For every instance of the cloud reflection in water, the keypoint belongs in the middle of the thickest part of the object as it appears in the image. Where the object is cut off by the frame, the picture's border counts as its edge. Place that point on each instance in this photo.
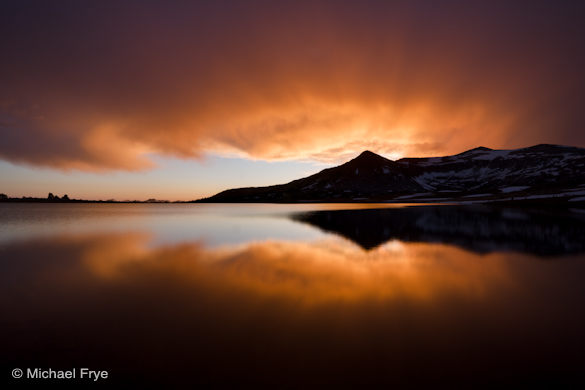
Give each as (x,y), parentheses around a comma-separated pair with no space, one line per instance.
(274,311)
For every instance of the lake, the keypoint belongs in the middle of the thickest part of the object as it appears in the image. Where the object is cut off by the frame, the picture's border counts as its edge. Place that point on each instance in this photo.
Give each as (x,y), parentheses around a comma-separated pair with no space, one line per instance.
(308,294)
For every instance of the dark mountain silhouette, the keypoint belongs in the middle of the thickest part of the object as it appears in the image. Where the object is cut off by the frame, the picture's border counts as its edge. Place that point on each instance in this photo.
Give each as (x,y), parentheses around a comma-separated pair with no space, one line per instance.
(477,228)
(537,172)
(360,177)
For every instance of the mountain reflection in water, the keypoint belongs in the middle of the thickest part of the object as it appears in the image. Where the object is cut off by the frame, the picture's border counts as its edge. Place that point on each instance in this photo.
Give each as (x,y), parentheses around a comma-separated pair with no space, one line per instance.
(479,229)
(308,311)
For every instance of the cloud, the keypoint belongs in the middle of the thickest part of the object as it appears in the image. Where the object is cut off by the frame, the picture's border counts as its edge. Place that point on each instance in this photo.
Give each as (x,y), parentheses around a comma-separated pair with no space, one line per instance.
(101,86)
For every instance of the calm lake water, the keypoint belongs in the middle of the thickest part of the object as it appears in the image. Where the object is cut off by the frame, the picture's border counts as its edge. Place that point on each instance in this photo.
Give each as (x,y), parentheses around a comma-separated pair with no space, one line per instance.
(294,294)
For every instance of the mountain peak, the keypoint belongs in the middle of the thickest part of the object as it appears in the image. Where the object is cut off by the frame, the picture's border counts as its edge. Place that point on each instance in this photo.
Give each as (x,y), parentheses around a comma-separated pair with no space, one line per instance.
(479,149)
(473,151)
(368,158)
(549,147)
(367,153)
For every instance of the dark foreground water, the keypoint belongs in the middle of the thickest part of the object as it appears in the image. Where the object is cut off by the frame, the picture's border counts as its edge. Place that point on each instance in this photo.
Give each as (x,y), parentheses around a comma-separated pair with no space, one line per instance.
(293,294)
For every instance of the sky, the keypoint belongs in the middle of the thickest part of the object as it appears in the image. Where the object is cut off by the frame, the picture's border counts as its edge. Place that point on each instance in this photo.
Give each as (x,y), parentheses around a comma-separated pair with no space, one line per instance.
(181,99)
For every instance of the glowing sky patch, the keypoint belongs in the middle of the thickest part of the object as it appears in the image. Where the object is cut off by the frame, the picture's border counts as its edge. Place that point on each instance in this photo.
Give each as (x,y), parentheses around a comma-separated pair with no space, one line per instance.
(110,86)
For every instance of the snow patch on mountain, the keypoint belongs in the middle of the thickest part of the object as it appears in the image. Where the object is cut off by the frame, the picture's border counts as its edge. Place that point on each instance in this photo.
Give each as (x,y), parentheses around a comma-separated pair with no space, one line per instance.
(492,155)
(477,195)
(506,190)
(413,195)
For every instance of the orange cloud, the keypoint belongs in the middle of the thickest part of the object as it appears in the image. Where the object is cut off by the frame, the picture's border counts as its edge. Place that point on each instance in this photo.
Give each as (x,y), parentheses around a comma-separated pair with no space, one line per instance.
(105,89)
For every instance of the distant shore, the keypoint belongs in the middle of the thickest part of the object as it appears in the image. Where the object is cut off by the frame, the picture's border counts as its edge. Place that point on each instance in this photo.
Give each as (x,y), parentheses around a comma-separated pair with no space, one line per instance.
(545,202)
(65,199)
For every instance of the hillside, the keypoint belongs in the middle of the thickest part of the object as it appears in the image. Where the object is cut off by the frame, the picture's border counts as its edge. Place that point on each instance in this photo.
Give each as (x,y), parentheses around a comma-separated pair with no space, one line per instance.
(537,172)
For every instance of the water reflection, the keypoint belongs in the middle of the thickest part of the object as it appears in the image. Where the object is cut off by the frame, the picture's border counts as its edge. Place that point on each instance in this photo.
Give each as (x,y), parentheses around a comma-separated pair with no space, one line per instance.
(316,310)
(285,312)
(480,229)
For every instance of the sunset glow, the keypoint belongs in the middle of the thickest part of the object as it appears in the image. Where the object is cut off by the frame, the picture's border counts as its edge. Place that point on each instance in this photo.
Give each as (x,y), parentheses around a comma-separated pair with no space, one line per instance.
(292,194)
(122,86)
